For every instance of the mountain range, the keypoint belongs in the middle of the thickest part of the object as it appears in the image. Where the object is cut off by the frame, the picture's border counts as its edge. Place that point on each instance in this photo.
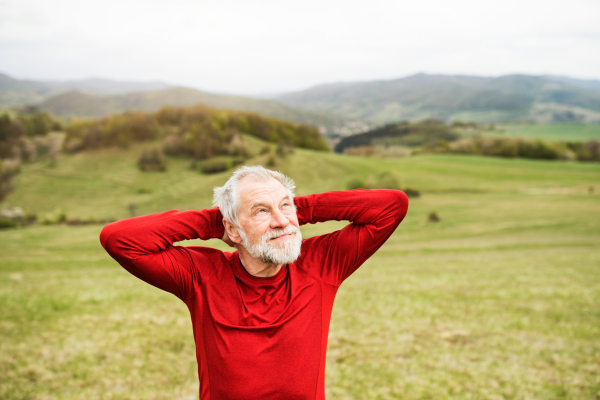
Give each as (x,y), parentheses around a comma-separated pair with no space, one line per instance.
(19,92)
(342,108)
(448,97)
(94,98)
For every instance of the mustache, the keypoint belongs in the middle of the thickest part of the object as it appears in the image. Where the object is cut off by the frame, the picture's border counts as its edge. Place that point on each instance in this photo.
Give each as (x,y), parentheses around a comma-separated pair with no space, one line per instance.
(290,229)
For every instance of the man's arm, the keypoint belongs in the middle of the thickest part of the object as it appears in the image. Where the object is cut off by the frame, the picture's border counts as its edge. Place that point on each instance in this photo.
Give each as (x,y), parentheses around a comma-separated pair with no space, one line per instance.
(374,214)
(144,246)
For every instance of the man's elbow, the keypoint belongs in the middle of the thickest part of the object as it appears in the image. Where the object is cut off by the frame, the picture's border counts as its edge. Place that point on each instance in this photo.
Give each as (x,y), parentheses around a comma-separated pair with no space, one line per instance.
(105,235)
(400,205)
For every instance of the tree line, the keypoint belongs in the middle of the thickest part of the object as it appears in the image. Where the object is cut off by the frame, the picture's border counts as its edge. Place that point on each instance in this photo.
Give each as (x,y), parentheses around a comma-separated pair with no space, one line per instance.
(24,137)
(438,137)
(198,132)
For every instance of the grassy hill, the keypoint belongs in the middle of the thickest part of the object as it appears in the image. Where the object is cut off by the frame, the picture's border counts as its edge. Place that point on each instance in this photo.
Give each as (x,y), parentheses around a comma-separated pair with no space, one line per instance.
(498,299)
(79,104)
(16,92)
(551,132)
(506,98)
(95,97)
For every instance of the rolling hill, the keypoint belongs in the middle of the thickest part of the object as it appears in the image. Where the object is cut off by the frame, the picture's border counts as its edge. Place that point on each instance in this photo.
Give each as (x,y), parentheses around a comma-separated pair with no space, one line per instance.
(18,92)
(95,97)
(502,99)
(15,92)
(80,104)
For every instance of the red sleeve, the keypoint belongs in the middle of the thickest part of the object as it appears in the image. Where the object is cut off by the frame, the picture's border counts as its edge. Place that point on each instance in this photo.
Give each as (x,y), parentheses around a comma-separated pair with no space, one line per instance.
(374,214)
(144,246)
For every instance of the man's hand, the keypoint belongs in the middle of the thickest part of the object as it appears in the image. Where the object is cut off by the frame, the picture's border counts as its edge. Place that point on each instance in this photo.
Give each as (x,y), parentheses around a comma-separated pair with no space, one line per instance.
(227,240)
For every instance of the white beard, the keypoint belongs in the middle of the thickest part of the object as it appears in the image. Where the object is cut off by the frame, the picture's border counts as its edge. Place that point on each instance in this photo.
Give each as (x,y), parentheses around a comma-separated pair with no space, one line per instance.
(265,251)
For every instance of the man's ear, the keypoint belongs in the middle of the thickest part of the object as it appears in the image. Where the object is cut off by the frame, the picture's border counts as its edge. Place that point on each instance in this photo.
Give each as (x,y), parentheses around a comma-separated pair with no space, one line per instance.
(232,232)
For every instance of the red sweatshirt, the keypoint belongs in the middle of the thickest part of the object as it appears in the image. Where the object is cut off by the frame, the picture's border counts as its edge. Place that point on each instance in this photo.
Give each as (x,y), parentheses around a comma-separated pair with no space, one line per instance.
(258,338)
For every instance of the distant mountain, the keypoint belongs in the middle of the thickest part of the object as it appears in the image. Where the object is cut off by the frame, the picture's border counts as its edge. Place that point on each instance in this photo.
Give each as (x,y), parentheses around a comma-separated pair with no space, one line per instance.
(506,98)
(17,92)
(79,104)
(24,92)
(107,86)
(93,98)
(583,83)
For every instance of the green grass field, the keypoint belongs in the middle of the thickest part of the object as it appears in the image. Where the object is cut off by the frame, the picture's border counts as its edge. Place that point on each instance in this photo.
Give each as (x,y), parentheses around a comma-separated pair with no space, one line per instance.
(553,132)
(498,300)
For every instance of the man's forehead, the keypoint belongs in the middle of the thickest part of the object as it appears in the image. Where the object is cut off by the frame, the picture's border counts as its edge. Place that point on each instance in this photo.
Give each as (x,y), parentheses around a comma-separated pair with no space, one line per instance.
(252,190)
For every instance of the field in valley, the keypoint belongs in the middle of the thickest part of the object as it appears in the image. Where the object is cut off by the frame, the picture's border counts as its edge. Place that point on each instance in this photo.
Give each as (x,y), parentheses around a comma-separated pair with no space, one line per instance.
(500,299)
(572,132)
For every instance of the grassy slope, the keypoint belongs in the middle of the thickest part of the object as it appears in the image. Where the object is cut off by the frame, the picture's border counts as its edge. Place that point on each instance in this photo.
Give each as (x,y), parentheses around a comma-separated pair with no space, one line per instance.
(548,132)
(498,300)
(83,105)
(567,132)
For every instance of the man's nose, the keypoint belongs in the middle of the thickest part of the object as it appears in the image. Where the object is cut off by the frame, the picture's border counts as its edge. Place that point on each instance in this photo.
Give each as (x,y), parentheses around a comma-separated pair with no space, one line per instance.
(278,220)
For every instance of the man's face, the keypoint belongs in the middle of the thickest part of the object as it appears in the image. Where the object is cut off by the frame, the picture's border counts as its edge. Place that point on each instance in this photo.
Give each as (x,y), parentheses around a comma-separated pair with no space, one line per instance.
(269,225)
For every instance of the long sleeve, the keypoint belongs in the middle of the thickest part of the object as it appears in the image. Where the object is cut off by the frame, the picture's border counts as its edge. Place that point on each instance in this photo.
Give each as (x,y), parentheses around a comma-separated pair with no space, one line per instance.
(144,246)
(374,214)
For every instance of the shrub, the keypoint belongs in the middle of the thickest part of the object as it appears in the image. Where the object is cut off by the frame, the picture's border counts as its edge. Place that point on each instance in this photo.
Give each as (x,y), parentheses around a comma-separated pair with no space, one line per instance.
(585,151)
(355,183)
(413,193)
(433,217)
(506,147)
(501,148)
(38,123)
(237,146)
(464,146)
(438,146)
(58,216)
(271,161)
(281,150)
(235,161)
(132,208)
(88,221)
(116,130)
(8,168)
(7,223)
(152,159)
(11,132)
(537,149)
(214,166)
(17,216)
(28,219)
(265,149)
(388,180)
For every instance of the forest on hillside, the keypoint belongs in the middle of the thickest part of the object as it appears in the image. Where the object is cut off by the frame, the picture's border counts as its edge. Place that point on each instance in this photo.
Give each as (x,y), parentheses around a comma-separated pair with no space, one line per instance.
(434,136)
(198,133)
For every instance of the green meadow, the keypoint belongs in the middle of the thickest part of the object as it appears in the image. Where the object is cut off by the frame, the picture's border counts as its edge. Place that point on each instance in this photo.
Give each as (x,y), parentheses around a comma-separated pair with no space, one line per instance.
(500,299)
(573,132)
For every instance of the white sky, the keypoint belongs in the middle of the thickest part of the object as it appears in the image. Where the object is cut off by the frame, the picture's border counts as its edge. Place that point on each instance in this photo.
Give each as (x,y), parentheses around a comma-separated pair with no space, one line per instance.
(261,46)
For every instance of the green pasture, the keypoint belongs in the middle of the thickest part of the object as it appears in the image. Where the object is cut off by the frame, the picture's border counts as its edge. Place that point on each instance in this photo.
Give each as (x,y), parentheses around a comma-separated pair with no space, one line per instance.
(571,132)
(498,300)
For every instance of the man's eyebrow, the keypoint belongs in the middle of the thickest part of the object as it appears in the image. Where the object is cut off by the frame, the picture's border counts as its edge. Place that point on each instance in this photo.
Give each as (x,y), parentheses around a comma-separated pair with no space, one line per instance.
(261,204)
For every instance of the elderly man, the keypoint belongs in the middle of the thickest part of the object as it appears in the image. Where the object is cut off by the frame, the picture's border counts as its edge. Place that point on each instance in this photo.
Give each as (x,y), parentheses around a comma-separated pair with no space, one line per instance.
(261,314)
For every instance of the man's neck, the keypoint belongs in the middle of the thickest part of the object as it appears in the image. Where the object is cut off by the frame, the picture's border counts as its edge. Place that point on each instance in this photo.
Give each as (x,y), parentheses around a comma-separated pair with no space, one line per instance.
(256,267)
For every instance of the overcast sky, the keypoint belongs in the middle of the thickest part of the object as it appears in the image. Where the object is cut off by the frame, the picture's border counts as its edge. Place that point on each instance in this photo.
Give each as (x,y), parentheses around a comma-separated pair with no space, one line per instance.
(262,46)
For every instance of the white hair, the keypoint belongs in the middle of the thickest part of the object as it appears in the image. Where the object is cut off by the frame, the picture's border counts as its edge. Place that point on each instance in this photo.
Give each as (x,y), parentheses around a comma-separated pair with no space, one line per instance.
(227,197)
